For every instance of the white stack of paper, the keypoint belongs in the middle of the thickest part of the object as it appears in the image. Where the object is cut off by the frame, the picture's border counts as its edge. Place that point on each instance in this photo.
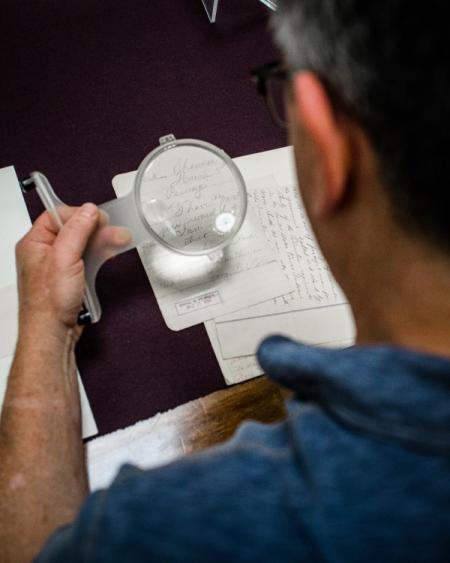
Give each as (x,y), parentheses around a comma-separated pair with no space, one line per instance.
(14,223)
(275,280)
(316,312)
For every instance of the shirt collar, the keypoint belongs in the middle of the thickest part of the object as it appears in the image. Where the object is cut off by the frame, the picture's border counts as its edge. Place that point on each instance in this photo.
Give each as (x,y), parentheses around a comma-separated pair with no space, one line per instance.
(392,392)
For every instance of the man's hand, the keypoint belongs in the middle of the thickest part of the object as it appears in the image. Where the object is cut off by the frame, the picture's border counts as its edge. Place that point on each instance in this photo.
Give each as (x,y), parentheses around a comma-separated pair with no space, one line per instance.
(50,267)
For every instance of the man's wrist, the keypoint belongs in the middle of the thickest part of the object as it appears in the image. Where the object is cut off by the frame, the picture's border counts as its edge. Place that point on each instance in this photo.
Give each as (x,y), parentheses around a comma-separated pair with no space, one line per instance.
(42,329)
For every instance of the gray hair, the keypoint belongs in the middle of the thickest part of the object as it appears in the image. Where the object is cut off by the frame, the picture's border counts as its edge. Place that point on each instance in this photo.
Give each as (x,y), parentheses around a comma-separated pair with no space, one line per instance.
(312,37)
(387,63)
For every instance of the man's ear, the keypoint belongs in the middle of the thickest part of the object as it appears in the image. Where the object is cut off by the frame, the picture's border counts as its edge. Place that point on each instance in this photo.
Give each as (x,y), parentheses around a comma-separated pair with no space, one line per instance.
(329,135)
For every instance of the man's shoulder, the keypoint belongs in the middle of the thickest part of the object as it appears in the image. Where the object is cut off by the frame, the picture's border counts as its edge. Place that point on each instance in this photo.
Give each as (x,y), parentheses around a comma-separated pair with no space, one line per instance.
(242,484)
(361,460)
(228,501)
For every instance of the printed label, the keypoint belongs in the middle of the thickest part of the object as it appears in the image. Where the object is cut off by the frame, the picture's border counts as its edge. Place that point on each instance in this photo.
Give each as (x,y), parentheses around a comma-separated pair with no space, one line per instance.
(198,302)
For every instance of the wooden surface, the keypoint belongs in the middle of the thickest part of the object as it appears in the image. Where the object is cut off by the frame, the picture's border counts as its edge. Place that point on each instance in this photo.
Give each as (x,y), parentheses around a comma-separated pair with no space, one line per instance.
(214,418)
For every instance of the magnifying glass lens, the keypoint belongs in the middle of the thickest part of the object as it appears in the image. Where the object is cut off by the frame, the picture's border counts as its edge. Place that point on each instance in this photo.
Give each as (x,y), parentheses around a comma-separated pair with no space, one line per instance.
(191,197)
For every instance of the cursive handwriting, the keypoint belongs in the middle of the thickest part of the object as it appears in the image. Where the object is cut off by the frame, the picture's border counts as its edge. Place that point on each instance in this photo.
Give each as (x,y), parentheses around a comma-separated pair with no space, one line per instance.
(288,231)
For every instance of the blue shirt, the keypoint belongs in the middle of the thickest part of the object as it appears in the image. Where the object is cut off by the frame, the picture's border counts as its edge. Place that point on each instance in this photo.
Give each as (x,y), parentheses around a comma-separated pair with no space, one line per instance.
(359,471)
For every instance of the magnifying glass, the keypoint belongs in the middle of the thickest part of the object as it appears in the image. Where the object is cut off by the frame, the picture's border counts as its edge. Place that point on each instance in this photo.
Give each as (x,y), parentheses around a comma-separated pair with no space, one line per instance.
(188,196)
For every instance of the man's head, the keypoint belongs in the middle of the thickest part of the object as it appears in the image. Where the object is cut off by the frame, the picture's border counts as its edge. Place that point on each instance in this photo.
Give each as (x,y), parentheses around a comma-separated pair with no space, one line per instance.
(369,113)
(383,66)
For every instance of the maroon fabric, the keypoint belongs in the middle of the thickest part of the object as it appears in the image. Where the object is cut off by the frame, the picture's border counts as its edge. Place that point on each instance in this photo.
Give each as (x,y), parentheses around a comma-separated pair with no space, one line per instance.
(88,88)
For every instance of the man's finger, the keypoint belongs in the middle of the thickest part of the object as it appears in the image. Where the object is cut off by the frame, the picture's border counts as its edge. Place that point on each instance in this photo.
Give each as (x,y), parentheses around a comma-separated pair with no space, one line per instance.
(74,235)
(114,237)
(45,229)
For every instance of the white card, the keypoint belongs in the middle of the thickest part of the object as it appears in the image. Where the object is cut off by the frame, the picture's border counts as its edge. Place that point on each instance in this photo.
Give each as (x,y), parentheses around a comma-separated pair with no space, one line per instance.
(192,290)
(242,368)
(278,163)
(14,223)
(313,326)
(234,370)
(288,232)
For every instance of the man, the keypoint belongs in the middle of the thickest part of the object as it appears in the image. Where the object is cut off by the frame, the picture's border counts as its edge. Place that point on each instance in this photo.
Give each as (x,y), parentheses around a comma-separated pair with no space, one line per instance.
(360,470)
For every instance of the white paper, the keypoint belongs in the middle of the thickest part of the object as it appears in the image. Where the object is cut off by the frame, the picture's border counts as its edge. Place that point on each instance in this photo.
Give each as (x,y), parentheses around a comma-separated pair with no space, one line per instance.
(278,163)
(14,223)
(331,327)
(5,365)
(242,368)
(88,424)
(9,307)
(287,229)
(316,312)
(191,289)
(318,326)
(234,370)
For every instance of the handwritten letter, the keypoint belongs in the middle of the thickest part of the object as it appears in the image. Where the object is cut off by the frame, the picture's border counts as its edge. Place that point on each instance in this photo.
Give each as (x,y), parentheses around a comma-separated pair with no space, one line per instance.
(288,232)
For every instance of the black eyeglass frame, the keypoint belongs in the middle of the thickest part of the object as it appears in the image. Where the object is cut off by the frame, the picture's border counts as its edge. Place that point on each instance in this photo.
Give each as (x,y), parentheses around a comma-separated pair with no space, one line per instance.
(261,76)
(276,70)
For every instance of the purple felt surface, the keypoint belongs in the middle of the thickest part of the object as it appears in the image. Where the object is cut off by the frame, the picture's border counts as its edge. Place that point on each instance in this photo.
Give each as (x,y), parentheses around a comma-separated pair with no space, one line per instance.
(87,89)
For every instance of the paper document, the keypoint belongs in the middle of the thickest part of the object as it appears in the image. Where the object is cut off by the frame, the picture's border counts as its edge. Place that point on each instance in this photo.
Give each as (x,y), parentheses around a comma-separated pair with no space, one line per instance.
(322,325)
(241,368)
(316,312)
(278,163)
(194,289)
(234,369)
(14,223)
(288,232)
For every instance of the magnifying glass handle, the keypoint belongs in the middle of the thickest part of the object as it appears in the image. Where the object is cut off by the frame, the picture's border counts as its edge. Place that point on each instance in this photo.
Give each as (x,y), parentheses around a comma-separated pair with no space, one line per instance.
(119,212)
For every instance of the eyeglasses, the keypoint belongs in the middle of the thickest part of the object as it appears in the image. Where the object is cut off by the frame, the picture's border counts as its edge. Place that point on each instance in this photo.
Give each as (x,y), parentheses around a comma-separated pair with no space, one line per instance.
(271,85)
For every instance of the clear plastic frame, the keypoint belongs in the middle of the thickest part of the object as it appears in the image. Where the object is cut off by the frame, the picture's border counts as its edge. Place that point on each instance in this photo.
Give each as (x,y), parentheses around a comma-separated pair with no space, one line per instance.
(211,7)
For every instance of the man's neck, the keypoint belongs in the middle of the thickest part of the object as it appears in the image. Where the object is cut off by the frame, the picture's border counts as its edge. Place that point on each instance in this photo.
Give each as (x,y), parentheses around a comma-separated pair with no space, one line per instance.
(401,295)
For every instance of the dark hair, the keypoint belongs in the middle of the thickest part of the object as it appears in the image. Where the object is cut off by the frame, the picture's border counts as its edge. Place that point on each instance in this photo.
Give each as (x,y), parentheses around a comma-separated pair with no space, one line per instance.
(389,63)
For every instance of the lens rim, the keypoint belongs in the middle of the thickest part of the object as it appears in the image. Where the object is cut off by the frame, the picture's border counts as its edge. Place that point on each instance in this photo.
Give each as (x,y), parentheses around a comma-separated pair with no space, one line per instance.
(221,154)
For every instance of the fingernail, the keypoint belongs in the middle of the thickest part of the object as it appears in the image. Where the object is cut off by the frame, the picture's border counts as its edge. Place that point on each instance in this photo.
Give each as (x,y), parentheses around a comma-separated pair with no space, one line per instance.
(88,210)
(123,236)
